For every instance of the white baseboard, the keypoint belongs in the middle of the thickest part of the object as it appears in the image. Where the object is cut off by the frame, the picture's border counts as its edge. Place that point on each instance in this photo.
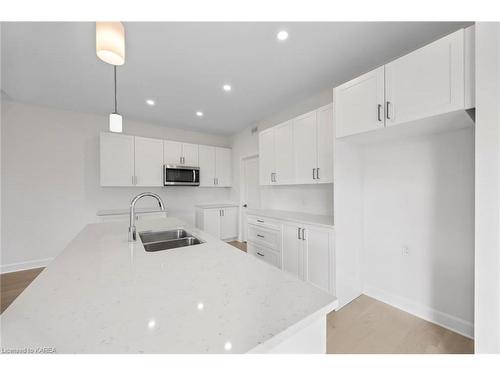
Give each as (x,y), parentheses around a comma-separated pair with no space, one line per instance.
(13,267)
(440,318)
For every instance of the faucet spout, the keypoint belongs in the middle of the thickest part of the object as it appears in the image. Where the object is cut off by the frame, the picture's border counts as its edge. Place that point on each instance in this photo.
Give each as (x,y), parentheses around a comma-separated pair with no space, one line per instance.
(132,231)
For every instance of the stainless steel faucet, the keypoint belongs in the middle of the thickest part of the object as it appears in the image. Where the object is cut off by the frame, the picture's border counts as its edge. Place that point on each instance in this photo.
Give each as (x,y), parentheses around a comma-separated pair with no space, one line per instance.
(132,232)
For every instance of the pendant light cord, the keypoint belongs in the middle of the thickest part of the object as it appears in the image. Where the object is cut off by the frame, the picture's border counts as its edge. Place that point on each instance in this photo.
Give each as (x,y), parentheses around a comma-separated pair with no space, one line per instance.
(114,68)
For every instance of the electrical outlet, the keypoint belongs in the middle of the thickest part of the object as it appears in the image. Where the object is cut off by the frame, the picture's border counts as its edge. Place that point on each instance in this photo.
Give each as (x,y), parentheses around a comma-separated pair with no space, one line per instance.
(405,251)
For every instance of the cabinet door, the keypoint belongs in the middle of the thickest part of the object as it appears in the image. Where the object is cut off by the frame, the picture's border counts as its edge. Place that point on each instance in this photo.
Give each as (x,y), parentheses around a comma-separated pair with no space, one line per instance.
(207,165)
(172,152)
(324,142)
(148,161)
(190,154)
(291,249)
(318,258)
(266,157)
(305,154)
(359,104)
(283,153)
(223,170)
(116,159)
(211,221)
(229,223)
(426,82)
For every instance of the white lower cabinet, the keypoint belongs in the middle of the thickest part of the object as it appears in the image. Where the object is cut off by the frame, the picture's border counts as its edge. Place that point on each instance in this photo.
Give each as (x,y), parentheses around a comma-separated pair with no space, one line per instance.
(221,222)
(303,250)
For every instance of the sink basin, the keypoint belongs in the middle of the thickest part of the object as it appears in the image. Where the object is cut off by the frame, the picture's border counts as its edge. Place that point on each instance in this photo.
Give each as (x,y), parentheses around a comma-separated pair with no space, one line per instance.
(168,239)
(165,235)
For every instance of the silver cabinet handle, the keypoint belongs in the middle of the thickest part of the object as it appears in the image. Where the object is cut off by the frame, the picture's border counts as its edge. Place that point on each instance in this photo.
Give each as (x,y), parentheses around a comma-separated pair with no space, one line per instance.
(223,213)
(317,173)
(260,254)
(303,234)
(314,175)
(379,112)
(260,221)
(298,233)
(387,104)
(260,235)
(217,180)
(220,212)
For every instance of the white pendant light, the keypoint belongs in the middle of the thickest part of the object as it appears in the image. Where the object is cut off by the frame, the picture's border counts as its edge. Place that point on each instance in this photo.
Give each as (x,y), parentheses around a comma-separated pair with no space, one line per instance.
(110,42)
(115,119)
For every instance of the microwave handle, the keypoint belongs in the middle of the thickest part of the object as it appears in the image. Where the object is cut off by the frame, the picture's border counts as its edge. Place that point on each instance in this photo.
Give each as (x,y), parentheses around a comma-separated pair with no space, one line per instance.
(194,175)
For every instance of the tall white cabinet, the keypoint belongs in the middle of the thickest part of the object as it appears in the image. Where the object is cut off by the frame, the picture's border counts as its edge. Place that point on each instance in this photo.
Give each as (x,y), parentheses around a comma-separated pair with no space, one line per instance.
(117,159)
(148,162)
(215,166)
(298,151)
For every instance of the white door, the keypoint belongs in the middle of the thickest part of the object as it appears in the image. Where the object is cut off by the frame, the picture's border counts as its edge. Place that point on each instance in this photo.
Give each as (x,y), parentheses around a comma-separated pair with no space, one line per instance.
(116,159)
(426,82)
(324,135)
(283,153)
(223,164)
(305,154)
(318,258)
(190,154)
(359,104)
(266,157)
(172,152)
(211,221)
(292,249)
(207,165)
(148,162)
(251,190)
(229,223)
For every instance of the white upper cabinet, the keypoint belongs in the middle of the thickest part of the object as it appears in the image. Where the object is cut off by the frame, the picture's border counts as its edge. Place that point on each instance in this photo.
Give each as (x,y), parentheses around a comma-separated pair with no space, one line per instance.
(215,166)
(433,80)
(116,159)
(266,157)
(359,104)
(324,136)
(207,165)
(299,151)
(306,152)
(223,163)
(190,154)
(178,153)
(426,82)
(283,154)
(148,162)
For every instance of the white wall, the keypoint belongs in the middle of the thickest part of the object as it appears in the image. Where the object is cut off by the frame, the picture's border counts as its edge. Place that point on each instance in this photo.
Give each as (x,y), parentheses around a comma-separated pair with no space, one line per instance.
(50,179)
(316,199)
(487,262)
(419,193)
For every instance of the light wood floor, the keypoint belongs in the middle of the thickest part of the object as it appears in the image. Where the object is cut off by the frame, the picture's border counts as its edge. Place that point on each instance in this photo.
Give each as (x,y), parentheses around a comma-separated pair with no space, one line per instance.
(363,326)
(12,284)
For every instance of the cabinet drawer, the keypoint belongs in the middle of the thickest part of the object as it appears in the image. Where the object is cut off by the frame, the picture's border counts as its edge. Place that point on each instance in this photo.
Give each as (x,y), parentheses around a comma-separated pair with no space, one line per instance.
(264,236)
(265,254)
(264,221)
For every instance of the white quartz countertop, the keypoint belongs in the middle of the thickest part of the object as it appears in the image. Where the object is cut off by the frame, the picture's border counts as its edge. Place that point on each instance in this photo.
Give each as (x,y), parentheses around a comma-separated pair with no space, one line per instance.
(217,205)
(126,211)
(105,295)
(300,217)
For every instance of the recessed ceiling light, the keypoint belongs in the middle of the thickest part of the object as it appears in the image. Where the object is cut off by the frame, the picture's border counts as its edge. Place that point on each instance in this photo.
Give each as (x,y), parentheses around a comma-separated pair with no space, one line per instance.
(199,114)
(226,87)
(150,102)
(282,35)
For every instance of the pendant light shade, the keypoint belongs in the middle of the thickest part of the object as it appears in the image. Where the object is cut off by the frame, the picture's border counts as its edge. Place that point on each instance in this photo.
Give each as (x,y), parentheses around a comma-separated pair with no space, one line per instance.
(110,42)
(115,123)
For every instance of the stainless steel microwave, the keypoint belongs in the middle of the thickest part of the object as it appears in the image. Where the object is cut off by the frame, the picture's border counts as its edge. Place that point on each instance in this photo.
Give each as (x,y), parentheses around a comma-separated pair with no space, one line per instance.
(180,175)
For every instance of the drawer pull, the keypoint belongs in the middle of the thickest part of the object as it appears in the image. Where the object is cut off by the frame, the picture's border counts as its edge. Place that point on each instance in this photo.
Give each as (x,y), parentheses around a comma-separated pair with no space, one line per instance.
(260,235)
(260,221)
(260,254)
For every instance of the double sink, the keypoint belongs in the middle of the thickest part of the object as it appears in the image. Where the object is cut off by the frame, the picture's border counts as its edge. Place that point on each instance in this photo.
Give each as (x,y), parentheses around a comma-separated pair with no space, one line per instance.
(167,239)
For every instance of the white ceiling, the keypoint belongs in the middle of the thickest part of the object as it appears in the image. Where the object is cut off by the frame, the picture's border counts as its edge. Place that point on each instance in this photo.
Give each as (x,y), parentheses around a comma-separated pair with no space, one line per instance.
(182,66)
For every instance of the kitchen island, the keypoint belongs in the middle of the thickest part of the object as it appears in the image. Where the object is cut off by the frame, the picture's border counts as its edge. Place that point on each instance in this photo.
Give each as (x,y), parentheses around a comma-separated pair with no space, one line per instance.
(103,294)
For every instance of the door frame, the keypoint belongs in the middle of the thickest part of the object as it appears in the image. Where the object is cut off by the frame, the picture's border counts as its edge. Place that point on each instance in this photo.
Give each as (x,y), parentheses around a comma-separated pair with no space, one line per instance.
(243,159)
